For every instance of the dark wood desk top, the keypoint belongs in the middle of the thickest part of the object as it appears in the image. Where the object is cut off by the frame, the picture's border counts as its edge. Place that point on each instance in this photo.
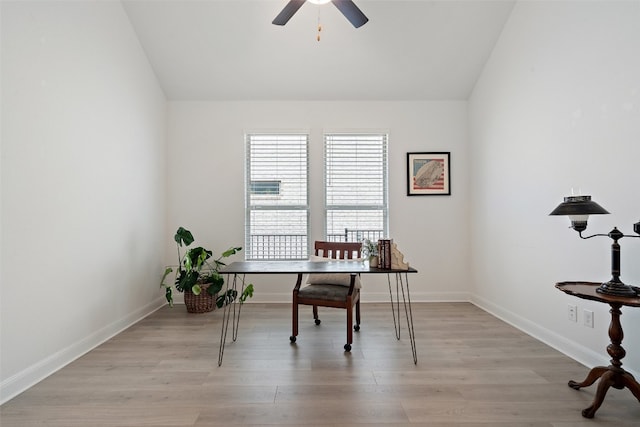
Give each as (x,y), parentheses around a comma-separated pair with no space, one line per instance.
(587,290)
(297,267)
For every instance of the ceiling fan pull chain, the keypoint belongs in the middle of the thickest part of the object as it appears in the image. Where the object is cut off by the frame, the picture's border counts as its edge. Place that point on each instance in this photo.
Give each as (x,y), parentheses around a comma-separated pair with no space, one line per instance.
(319,25)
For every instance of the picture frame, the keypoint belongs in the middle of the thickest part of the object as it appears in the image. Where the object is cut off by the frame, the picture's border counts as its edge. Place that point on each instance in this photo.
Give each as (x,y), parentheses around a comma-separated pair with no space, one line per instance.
(429,174)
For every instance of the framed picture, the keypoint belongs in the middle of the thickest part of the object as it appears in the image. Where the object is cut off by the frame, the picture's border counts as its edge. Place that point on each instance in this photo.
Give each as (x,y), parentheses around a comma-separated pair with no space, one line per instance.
(429,174)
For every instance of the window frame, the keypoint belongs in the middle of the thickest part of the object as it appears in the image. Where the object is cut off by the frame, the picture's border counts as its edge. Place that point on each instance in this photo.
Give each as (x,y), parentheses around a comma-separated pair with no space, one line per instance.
(383,206)
(251,253)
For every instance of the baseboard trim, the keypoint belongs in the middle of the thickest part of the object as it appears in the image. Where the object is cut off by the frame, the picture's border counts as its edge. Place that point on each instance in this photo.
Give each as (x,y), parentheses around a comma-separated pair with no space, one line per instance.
(18,383)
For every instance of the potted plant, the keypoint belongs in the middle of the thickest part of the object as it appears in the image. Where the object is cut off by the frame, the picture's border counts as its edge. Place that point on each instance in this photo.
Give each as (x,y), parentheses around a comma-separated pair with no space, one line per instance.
(370,250)
(197,275)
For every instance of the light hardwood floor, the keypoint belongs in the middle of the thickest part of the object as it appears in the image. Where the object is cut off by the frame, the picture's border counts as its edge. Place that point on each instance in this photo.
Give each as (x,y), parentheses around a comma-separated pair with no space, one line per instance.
(473,370)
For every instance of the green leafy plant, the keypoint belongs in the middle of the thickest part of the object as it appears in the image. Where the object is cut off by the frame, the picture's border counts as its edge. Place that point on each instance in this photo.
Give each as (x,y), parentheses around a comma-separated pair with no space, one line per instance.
(196,267)
(369,248)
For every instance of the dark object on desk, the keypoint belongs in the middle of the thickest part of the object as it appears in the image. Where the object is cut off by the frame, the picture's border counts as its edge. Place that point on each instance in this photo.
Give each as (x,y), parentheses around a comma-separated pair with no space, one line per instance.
(578,208)
(331,290)
(612,375)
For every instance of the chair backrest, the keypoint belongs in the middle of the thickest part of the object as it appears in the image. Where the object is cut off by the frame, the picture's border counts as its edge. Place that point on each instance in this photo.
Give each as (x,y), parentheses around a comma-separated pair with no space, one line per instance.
(338,250)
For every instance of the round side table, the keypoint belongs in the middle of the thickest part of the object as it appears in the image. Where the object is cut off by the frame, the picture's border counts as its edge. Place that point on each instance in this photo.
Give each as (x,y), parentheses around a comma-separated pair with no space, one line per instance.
(612,375)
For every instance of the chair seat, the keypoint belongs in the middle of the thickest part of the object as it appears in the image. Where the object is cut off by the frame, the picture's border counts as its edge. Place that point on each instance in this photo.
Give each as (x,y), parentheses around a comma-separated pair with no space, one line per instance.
(325,292)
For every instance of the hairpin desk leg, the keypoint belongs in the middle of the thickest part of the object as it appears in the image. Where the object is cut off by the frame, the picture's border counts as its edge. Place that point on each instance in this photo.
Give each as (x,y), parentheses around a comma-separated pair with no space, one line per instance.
(226,315)
(409,314)
(406,299)
(396,324)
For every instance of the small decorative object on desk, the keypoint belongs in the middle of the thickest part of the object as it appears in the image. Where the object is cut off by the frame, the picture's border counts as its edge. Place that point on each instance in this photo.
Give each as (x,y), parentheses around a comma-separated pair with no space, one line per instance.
(370,250)
(390,256)
(384,249)
(397,259)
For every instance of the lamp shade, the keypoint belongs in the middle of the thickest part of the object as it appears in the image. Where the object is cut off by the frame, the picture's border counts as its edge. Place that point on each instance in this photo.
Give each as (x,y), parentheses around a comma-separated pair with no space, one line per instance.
(578,206)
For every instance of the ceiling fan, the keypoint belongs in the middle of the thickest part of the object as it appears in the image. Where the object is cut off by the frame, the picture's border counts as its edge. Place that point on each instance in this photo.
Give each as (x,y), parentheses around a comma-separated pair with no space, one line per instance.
(347,7)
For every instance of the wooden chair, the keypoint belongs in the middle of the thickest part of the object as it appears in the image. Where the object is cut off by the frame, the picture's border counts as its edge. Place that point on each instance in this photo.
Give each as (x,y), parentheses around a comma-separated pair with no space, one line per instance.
(343,291)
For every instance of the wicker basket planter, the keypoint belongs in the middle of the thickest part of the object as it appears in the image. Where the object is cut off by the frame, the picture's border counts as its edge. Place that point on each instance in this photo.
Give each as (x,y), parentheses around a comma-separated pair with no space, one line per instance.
(202,303)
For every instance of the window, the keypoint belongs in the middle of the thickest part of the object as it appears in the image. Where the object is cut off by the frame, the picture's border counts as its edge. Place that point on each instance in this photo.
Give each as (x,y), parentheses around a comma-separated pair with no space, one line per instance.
(356,200)
(277,207)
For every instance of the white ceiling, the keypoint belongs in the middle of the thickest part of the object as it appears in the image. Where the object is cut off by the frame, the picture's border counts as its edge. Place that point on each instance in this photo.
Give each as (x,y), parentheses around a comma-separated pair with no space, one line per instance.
(229,50)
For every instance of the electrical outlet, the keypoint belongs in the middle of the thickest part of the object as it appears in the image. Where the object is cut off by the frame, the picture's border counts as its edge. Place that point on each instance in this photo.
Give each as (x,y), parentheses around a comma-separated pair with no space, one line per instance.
(572,313)
(588,318)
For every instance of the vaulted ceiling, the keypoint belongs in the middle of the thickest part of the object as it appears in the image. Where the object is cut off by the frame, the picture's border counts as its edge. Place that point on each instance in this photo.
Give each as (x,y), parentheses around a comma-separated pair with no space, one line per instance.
(230,50)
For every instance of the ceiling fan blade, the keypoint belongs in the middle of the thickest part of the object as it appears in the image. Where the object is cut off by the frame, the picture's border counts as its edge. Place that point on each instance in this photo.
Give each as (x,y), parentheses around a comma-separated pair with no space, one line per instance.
(289,10)
(351,12)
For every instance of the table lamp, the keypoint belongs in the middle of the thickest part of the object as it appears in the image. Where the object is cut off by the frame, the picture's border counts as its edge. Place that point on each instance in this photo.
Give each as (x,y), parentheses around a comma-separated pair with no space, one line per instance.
(578,209)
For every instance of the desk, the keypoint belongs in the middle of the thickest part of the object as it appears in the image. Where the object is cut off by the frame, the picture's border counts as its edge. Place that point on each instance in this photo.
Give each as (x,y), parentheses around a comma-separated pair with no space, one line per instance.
(612,375)
(239,269)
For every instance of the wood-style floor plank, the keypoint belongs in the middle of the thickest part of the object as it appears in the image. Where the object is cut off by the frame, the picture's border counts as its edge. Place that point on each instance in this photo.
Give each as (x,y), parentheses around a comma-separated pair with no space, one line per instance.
(473,371)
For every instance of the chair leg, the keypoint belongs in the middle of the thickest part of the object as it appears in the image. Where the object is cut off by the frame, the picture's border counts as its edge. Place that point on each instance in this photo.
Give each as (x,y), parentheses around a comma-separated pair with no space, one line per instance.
(347,346)
(357,325)
(294,321)
(315,314)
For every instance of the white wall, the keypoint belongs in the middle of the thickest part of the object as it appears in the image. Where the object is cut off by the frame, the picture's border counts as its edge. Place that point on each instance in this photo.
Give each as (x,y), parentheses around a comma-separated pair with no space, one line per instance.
(83,187)
(206,147)
(558,106)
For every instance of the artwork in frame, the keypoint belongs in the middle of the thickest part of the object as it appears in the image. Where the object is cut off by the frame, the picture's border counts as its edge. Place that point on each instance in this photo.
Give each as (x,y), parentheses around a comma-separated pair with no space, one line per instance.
(429,174)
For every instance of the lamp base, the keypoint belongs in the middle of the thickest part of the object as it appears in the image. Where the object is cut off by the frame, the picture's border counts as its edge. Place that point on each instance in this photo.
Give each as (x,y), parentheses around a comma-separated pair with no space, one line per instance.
(618,289)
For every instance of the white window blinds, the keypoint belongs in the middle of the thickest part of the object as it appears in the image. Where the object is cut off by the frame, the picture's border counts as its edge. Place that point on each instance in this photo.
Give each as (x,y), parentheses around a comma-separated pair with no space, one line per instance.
(277,207)
(356,199)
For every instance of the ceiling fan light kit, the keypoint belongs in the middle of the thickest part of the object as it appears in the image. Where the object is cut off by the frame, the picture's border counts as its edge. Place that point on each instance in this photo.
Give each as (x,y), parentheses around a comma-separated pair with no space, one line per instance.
(347,7)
